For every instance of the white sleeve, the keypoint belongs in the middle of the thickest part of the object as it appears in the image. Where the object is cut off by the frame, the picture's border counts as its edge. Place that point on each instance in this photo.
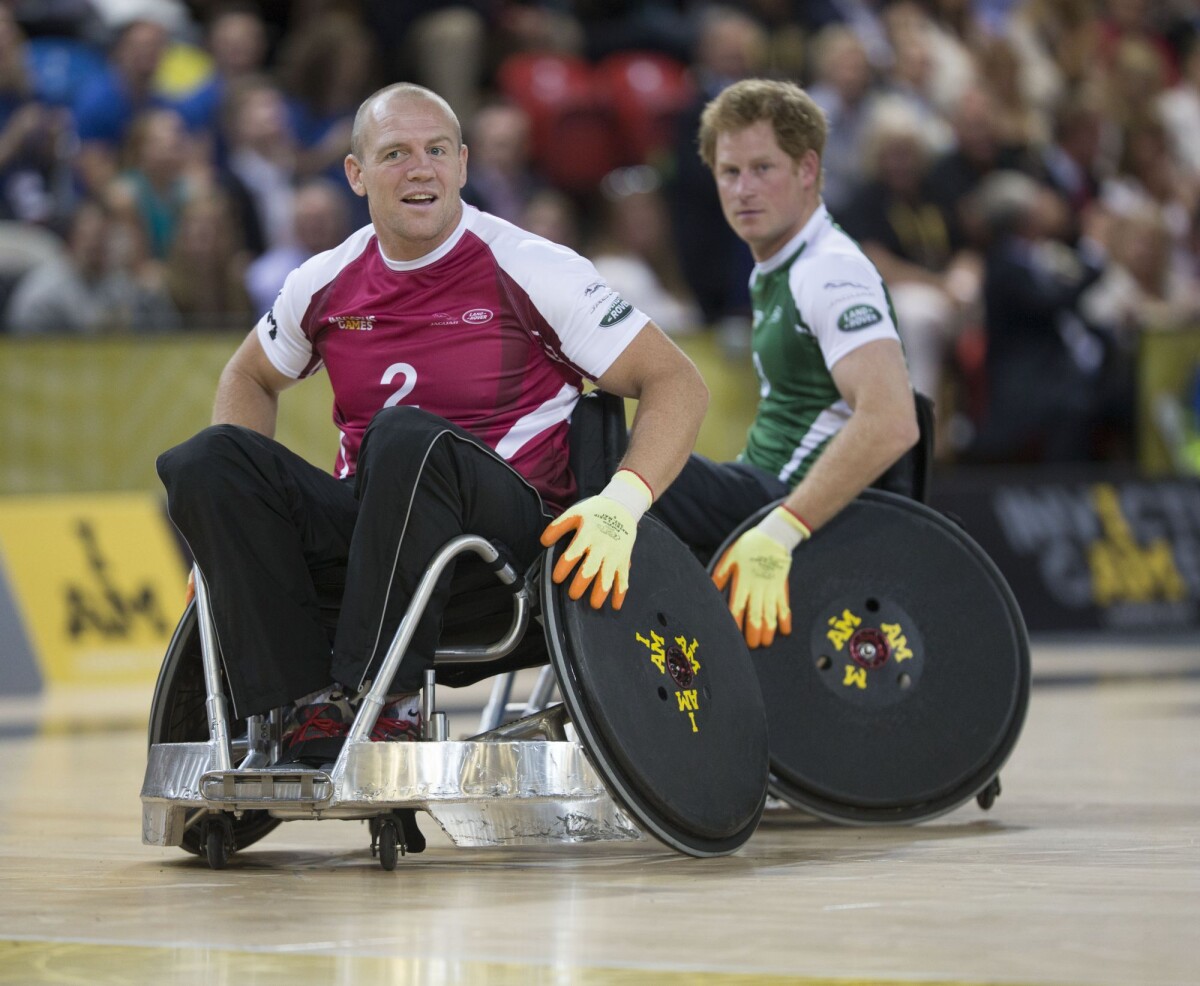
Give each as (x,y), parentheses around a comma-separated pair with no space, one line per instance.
(842,299)
(279,330)
(593,322)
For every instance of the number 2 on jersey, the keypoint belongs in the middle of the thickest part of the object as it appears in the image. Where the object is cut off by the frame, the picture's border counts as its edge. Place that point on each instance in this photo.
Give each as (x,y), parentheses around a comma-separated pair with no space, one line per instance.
(409,374)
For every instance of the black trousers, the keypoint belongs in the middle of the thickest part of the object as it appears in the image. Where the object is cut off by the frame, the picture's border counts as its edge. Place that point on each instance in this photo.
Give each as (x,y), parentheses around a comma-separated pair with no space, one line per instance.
(273,534)
(708,500)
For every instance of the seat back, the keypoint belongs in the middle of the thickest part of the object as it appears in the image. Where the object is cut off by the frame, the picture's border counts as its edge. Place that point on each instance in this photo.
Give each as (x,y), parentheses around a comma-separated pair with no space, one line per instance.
(480,607)
(597,440)
(912,474)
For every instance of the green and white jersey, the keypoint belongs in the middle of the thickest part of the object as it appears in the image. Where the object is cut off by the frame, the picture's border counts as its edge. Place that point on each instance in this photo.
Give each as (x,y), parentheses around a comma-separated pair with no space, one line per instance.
(814,301)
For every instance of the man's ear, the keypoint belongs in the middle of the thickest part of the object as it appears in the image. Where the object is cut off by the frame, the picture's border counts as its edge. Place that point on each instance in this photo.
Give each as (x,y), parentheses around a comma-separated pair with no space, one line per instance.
(354,175)
(810,167)
(462,179)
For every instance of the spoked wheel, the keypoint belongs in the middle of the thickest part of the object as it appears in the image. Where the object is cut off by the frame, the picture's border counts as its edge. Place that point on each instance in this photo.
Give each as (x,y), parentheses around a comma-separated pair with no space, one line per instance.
(178,715)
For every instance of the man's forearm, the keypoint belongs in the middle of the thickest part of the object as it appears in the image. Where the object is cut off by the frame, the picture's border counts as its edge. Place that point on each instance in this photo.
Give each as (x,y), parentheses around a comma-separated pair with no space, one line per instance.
(665,427)
(242,401)
(856,456)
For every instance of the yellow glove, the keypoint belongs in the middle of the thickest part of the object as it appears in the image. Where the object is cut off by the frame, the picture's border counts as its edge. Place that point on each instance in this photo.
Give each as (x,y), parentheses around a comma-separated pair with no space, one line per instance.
(605,527)
(759,562)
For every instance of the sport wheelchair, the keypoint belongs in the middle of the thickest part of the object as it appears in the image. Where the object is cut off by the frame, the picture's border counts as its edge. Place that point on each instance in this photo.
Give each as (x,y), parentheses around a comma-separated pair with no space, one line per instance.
(661,729)
(903,686)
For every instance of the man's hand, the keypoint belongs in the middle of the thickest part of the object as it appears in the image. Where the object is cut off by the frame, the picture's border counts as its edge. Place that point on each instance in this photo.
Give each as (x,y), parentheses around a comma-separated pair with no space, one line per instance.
(605,527)
(759,562)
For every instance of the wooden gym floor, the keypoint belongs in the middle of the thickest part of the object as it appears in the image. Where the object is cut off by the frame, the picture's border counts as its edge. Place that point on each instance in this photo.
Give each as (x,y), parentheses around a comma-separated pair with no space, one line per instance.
(1087,871)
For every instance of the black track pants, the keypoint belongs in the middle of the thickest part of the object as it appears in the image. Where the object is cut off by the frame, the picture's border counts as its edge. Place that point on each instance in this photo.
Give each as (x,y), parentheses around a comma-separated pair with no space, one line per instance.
(274,536)
(708,500)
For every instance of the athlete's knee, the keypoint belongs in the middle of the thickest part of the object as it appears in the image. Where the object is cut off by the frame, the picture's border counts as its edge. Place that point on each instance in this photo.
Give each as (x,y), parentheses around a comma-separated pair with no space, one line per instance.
(401,431)
(202,462)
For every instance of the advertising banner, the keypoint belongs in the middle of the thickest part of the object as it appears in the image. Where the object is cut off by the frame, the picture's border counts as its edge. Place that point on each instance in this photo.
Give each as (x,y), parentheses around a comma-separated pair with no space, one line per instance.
(98,580)
(1091,550)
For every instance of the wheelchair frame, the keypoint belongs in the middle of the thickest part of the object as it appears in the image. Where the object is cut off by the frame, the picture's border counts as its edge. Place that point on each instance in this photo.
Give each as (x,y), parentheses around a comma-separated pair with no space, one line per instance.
(522,783)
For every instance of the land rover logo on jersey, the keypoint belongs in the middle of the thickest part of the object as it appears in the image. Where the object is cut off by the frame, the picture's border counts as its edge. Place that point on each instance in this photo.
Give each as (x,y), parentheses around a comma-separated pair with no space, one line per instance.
(353,323)
(616,311)
(478,315)
(858,317)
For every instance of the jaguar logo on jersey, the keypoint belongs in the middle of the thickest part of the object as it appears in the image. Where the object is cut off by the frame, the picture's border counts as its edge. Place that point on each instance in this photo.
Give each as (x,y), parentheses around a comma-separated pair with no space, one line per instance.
(616,311)
(353,323)
(478,315)
(858,317)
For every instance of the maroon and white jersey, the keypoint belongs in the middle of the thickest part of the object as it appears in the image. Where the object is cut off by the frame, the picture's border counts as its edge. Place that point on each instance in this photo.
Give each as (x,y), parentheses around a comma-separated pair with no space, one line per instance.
(494,331)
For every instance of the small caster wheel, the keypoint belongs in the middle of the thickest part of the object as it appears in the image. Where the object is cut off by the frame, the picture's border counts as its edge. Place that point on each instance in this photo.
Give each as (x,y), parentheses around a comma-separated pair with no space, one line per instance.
(215,848)
(389,842)
(987,797)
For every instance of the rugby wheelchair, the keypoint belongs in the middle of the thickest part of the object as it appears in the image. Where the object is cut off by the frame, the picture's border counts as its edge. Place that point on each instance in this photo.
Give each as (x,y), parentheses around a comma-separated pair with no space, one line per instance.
(903,686)
(661,729)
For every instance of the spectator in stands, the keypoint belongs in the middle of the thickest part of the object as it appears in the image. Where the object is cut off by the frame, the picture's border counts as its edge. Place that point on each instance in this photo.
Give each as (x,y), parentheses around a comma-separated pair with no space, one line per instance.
(99,284)
(1018,121)
(1141,289)
(716,264)
(632,250)
(158,179)
(500,179)
(105,110)
(1148,179)
(261,162)
(915,242)
(1074,161)
(845,90)
(928,69)
(321,220)
(1179,108)
(442,44)
(237,41)
(980,147)
(33,137)
(1055,45)
(206,268)
(554,215)
(327,65)
(1042,363)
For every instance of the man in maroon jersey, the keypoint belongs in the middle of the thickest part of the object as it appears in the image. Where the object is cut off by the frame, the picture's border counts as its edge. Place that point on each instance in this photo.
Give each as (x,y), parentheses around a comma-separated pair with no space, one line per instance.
(457,346)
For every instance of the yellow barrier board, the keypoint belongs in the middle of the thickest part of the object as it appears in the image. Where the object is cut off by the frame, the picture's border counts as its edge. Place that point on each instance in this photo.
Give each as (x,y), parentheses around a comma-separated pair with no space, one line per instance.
(99,580)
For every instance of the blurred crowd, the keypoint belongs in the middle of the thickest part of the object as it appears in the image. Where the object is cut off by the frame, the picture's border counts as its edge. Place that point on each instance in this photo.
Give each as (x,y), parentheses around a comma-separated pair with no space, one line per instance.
(1024,173)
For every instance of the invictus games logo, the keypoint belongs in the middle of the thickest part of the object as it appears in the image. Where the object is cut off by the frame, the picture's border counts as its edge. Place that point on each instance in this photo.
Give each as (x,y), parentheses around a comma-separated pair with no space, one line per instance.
(677,661)
(616,311)
(353,323)
(858,317)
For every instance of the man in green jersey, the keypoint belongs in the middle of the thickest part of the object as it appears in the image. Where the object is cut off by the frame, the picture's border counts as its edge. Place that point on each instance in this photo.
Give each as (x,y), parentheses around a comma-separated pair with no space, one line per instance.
(836,406)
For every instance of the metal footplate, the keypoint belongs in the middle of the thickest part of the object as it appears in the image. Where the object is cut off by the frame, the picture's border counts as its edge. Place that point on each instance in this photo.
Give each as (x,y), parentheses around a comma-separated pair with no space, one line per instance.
(235,790)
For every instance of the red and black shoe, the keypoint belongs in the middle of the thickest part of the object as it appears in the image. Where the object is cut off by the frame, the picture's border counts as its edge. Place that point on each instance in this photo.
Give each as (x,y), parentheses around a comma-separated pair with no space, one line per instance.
(399,721)
(318,733)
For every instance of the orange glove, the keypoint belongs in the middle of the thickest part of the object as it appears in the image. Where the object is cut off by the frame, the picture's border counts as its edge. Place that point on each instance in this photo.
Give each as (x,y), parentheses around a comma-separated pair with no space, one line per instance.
(605,527)
(759,562)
